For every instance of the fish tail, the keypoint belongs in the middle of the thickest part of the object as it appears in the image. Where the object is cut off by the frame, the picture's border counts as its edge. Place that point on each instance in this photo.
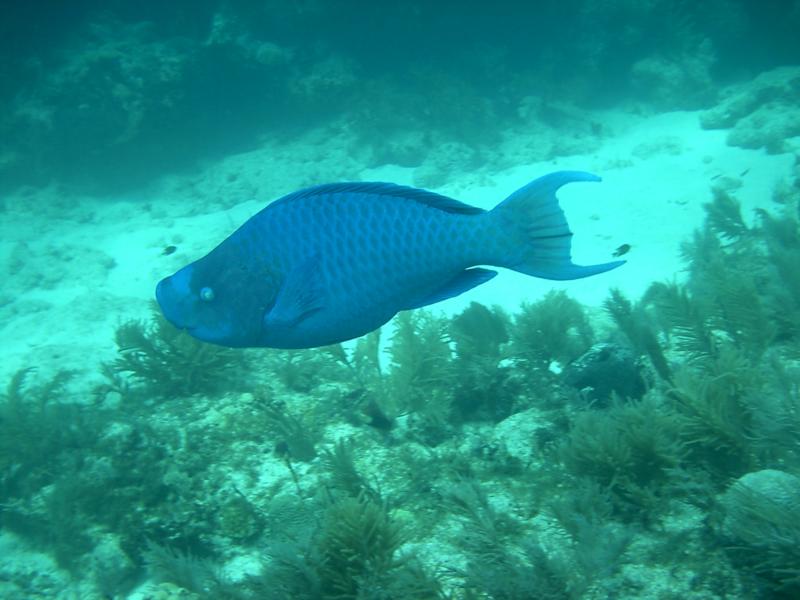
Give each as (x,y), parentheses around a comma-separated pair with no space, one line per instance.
(533,221)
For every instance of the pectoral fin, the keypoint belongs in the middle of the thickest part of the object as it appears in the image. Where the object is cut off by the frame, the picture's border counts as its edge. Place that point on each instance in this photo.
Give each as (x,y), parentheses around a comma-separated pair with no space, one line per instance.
(300,296)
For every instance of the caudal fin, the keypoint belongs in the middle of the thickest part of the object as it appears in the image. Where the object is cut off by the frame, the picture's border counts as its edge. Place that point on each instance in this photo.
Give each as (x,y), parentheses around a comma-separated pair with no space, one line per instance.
(538,230)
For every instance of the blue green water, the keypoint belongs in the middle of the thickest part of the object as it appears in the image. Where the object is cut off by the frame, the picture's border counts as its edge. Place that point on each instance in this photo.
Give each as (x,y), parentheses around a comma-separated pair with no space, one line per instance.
(634,436)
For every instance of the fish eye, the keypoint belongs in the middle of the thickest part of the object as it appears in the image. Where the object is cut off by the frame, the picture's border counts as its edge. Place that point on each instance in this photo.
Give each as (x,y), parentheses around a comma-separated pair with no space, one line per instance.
(206,294)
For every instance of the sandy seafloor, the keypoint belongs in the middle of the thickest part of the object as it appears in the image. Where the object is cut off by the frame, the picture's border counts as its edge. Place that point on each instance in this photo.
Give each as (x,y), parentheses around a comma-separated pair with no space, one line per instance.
(80,266)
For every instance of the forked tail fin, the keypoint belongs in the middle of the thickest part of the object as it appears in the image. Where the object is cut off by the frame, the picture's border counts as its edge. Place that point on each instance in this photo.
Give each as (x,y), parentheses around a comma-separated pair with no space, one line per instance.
(538,230)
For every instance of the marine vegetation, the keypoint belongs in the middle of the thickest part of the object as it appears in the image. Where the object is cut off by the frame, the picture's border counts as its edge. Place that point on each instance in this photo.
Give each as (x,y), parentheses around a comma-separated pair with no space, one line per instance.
(485,387)
(633,450)
(736,324)
(44,434)
(190,573)
(32,431)
(761,526)
(464,457)
(157,360)
(554,329)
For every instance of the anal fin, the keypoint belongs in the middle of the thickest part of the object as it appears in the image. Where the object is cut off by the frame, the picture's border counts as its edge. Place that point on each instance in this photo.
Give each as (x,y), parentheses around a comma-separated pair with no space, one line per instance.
(465,280)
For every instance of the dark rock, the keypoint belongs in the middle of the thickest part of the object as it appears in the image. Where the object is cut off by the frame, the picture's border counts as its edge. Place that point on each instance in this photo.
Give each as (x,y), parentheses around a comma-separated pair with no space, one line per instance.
(607,368)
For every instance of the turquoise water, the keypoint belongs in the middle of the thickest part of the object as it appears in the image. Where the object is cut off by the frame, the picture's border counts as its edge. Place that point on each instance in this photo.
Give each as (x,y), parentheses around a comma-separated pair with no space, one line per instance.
(632,435)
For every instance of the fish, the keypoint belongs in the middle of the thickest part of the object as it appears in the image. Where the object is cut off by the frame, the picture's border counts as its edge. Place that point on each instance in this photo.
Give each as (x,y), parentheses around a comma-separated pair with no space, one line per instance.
(333,262)
(622,249)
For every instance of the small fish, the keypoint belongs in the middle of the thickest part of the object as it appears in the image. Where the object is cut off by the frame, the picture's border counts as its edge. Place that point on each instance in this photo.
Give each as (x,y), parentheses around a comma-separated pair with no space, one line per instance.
(168,250)
(333,262)
(623,249)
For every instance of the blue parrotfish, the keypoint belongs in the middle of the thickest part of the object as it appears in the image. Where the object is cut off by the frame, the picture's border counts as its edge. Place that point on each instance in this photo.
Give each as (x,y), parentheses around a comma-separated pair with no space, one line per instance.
(332,262)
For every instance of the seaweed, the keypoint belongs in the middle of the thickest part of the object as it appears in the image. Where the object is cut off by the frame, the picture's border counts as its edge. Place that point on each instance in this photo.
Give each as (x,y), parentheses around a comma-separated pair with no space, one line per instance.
(724,216)
(421,372)
(553,330)
(487,530)
(742,283)
(683,320)
(737,415)
(357,548)
(782,239)
(597,542)
(633,450)
(365,359)
(501,563)
(200,576)
(54,520)
(352,555)
(480,331)
(763,527)
(299,436)
(420,379)
(732,322)
(530,574)
(37,430)
(485,388)
(303,370)
(717,413)
(636,324)
(343,475)
(164,362)
(775,420)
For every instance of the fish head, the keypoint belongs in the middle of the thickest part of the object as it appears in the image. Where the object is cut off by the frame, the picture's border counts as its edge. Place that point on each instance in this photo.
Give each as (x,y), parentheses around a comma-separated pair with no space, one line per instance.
(213,301)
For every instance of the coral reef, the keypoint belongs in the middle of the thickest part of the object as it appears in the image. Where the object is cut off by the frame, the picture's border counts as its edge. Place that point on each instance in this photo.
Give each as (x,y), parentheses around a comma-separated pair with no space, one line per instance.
(551,452)
(762,113)
(89,109)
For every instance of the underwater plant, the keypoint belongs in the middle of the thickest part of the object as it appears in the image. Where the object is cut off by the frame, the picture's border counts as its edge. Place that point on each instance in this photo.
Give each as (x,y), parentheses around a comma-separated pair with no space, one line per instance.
(684,321)
(635,323)
(633,450)
(480,331)
(342,474)
(352,555)
(718,409)
(197,575)
(303,370)
(484,388)
(554,329)
(298,435)
(420,378)
(740,280)
(761,525)
(501,561)
(166,363)
(733,323)
(420,370)
(527,574)
(782,238)
(735,415)
(34,427)
(357,545)
(42,436)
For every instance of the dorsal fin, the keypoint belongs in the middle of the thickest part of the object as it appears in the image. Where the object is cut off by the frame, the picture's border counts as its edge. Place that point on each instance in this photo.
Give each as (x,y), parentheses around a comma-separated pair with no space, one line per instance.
(384,191)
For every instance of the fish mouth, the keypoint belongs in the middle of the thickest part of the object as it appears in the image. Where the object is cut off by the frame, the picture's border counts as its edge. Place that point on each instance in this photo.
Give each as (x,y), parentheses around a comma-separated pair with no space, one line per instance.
(171,303)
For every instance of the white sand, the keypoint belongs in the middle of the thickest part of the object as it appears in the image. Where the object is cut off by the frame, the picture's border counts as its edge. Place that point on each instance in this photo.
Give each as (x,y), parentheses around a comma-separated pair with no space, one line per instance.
(75,268)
